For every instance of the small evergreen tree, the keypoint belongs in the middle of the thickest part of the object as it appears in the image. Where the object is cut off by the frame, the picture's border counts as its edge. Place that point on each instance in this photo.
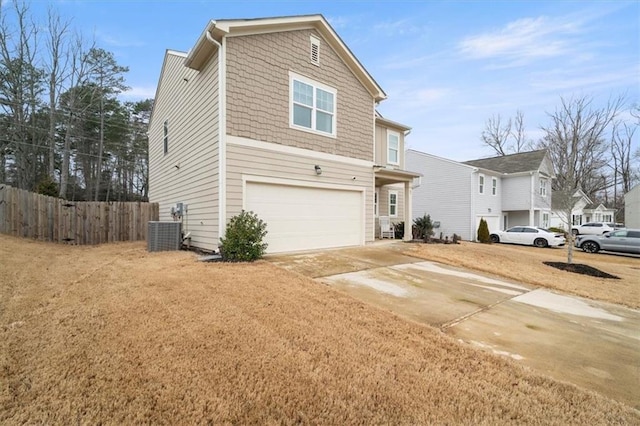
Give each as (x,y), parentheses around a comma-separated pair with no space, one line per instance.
(483,232)
(424,226)
(243,238)
(47,187)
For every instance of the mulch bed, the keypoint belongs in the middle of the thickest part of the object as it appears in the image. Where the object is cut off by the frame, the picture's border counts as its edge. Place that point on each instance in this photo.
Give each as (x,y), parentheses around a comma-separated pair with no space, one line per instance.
(581,269)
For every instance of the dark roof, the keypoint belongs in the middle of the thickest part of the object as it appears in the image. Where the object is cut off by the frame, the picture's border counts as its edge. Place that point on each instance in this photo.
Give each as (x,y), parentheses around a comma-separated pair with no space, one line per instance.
(513,163)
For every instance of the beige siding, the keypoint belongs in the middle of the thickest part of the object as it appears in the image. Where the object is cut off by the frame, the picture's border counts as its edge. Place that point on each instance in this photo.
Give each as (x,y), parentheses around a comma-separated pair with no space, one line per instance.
(251,161)
(381,146)
(258,69)
(383,207)
(188,173)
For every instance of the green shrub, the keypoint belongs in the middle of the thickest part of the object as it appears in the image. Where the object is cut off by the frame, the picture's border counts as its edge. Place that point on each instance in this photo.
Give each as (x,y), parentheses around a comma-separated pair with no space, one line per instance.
(483,232)
(558,231)
(424,227)
(47,187)
(243,238)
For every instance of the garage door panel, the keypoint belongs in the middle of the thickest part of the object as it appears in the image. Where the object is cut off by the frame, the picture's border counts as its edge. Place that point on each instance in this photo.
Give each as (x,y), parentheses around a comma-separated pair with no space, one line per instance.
(304,218)
(493,222)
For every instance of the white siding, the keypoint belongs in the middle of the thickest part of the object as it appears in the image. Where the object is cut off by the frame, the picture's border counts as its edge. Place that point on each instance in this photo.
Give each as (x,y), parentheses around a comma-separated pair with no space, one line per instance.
(486,204)
(246,160)
(632,208)
(516,192)
(188,172)
(444,193)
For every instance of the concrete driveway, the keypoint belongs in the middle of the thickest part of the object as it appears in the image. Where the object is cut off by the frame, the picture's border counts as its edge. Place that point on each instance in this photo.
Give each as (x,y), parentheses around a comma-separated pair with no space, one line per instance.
(595,345)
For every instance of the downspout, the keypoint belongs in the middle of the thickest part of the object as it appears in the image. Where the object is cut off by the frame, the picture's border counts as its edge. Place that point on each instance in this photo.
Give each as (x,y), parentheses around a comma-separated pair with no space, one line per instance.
(531,201)
(222,147)
(472,206)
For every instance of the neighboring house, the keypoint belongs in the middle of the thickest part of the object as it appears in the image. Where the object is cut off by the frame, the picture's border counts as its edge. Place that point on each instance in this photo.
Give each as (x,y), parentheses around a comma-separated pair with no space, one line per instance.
(632,208)
(275,116)
(583,211)
(506,191)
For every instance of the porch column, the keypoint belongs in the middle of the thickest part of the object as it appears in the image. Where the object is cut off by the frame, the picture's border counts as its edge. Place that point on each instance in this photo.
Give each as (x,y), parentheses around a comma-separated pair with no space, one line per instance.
(408,223)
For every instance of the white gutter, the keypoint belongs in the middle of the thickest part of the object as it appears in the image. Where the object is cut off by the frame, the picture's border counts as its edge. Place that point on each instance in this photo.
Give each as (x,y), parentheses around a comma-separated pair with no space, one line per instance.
(222,130)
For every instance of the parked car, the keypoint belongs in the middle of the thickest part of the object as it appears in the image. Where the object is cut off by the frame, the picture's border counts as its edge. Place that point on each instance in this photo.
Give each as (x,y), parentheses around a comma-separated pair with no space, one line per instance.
(595,228)
(528,235)
(622,240)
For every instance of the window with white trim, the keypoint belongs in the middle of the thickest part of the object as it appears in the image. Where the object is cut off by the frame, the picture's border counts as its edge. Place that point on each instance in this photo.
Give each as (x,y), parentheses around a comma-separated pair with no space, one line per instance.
(545,220)
(376,196)
(166,136)
(393,147)
(543,187)
(313,106)
(393,204)
(494,186)
(481,184)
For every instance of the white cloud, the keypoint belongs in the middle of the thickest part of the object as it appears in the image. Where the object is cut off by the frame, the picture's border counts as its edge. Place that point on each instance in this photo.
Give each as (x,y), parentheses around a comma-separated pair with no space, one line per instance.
(524,40)
(338,22)
(139,92)
(399,27)
(111,40)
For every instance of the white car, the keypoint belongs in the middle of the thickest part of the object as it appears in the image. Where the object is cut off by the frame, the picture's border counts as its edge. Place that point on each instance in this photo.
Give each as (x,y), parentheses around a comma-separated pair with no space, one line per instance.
(528,235)
(594,228)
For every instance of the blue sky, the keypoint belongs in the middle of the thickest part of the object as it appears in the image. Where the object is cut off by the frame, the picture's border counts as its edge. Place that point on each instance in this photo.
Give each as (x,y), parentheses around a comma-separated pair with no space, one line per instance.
(446,66)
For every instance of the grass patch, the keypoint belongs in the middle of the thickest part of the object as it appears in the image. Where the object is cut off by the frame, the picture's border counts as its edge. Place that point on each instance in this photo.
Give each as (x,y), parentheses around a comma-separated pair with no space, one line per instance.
(114,334)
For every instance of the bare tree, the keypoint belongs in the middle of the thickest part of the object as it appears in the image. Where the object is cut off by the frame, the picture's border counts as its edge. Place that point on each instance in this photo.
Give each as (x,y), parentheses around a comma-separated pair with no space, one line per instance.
(20,89)
(496,134)
(518,133)
(576,140)
(505,138)
(56,67)
(78,71)
(621,141)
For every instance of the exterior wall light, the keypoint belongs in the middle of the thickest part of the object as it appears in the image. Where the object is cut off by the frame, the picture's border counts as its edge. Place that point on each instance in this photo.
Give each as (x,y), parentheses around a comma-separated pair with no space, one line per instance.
(318,170)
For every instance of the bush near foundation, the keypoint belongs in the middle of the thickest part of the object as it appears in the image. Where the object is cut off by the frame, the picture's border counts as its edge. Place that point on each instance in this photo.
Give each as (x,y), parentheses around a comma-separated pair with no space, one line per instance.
(483,232)
(243,241)
(424,226)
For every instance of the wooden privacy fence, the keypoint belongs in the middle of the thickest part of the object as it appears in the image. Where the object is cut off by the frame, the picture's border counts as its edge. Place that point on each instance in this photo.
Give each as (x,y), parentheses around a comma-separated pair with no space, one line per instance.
(29,215)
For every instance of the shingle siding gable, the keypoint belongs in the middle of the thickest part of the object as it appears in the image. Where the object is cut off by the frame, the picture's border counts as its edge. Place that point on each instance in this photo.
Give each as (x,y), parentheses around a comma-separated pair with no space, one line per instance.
(258,69)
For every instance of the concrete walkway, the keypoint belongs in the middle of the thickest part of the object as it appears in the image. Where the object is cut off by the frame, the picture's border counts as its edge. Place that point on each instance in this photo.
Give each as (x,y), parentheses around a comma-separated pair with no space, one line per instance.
(595,345)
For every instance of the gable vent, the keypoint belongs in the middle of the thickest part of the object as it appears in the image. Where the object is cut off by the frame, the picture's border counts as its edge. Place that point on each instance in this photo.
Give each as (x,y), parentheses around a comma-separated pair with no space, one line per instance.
(315,51)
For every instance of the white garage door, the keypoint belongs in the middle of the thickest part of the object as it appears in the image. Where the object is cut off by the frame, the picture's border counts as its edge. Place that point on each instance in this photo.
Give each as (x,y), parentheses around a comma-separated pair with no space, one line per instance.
(493,222)
(303,218)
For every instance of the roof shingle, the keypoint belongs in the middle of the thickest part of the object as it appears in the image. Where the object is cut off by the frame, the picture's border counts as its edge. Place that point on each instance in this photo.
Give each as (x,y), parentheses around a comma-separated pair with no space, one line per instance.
(513,163)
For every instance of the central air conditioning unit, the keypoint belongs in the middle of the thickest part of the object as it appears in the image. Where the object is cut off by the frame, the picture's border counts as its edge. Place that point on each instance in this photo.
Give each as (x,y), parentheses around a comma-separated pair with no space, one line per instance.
(164,236)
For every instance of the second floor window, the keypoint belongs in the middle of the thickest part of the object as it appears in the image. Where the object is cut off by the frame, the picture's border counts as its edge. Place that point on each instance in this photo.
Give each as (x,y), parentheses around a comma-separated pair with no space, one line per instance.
(313,106)
(494,186)
(481,184)
(543,187)
(393,147)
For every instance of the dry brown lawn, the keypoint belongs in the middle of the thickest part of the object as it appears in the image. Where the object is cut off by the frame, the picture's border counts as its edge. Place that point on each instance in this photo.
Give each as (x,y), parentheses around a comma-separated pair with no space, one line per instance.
(525,265)
(116,335)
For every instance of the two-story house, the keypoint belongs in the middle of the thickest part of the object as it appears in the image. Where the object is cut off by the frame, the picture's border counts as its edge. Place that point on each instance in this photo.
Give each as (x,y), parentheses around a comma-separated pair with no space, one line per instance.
(506,191)
(275,116)
(583,210)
